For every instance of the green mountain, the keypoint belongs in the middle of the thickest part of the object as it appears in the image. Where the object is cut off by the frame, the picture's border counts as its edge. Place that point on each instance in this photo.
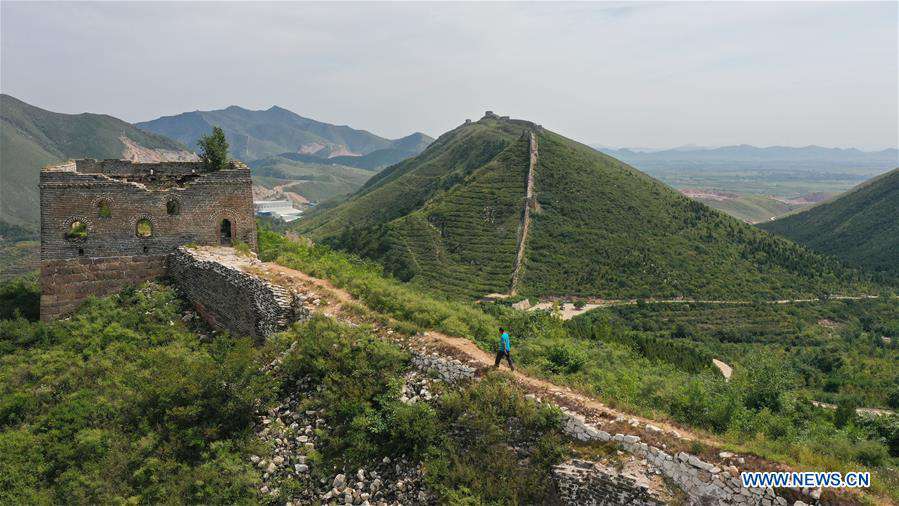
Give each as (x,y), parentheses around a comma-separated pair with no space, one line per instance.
(452,219)
(260,134)
(31,138)
(860,226)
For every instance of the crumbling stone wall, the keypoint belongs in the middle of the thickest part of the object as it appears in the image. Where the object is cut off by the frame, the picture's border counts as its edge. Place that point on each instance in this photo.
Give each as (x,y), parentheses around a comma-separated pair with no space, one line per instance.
(67,283)
(228,295)
(110,197)
(703,482)
(448,370)
(580,482)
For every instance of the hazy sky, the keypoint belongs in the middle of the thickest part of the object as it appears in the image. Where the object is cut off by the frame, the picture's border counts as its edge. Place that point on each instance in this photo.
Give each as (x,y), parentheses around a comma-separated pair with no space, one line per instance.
(634,74)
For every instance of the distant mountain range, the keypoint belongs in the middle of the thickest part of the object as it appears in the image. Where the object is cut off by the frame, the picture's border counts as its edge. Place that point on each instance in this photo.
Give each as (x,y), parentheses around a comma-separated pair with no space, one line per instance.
(255,135)
(31,137)
(747,153)
(860,226)
(458,219)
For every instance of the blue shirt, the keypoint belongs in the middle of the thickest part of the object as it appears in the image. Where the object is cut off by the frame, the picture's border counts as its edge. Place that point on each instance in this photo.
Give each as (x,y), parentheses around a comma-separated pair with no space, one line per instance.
(504,343)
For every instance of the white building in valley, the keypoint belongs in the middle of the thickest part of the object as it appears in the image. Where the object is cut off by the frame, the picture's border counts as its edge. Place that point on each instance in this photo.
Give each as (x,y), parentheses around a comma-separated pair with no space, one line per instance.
(282,209)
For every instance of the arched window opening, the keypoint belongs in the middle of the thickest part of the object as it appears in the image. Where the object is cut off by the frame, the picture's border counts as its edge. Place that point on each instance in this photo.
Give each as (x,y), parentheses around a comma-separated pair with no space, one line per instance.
(77,230)
(143,228)
(103,209)
(173,207)
(225,233)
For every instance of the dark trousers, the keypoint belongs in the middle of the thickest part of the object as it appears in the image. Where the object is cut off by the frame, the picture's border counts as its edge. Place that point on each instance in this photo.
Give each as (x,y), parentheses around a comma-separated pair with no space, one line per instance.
(499,356)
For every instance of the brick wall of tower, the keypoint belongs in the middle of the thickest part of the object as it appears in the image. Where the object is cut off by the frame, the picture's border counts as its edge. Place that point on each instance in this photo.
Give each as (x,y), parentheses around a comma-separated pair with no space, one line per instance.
(113,255)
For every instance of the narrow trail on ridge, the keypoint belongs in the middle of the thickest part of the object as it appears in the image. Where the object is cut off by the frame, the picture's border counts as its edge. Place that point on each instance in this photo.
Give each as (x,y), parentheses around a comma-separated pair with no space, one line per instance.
(334,300)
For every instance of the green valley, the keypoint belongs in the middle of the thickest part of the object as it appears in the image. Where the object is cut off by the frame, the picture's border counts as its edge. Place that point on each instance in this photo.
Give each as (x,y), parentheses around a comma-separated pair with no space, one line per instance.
(859,227)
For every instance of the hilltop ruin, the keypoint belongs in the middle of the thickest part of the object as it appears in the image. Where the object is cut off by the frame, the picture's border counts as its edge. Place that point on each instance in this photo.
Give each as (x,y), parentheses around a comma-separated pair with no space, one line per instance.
(108,224)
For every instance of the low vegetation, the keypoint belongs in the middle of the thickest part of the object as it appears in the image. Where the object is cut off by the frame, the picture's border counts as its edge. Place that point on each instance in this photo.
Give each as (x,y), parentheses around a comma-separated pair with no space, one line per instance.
(19,251)
(466,439)
(365,279)
(123,403)
(448,220)
(653,360)
(127,401)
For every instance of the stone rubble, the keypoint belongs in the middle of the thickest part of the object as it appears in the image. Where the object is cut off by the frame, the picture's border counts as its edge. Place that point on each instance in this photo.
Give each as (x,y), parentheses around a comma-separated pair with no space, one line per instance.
(703,482)
(293,433)
(584,482)
(449,370)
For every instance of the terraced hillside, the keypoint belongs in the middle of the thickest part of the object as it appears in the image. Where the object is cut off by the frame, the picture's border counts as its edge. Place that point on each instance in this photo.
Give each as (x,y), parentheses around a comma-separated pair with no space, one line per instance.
(861,226)
(448,220)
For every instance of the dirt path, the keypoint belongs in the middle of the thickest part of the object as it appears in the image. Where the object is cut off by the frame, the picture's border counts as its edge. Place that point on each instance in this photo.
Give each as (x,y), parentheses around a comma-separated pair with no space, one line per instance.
(526,215)
(336,302)
(332,300)
(568,311)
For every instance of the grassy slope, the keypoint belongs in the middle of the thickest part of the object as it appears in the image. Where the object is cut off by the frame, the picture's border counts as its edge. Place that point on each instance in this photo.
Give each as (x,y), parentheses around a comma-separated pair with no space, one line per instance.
(32,138)
(634,358)
(126,402)
(445,219)
(861,226)
(606,228)
(464,241)
(406,186)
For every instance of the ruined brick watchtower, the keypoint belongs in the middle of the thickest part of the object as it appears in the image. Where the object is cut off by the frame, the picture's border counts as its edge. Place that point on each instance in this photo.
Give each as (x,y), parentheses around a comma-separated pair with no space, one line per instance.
(111,223)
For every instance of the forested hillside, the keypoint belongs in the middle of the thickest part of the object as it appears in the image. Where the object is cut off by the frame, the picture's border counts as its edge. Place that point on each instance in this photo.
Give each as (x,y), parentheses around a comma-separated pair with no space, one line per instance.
(449,219)
(861,226)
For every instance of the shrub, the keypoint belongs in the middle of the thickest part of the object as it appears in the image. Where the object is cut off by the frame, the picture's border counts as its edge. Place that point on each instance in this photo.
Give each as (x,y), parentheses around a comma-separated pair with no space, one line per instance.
(893,399)
(564,359)
(466,439)
(242,249)
(122,403)
(845,411)
(763,382)
(20,296)
(214,149)
(870,453)
(489,419)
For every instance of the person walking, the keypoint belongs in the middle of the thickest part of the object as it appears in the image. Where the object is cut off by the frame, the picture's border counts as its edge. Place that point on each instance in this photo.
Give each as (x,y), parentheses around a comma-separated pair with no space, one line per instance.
(505,349)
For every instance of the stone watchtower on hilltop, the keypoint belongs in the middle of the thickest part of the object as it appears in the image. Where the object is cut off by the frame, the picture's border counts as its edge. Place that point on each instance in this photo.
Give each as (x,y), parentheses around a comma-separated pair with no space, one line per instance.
(112,223)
